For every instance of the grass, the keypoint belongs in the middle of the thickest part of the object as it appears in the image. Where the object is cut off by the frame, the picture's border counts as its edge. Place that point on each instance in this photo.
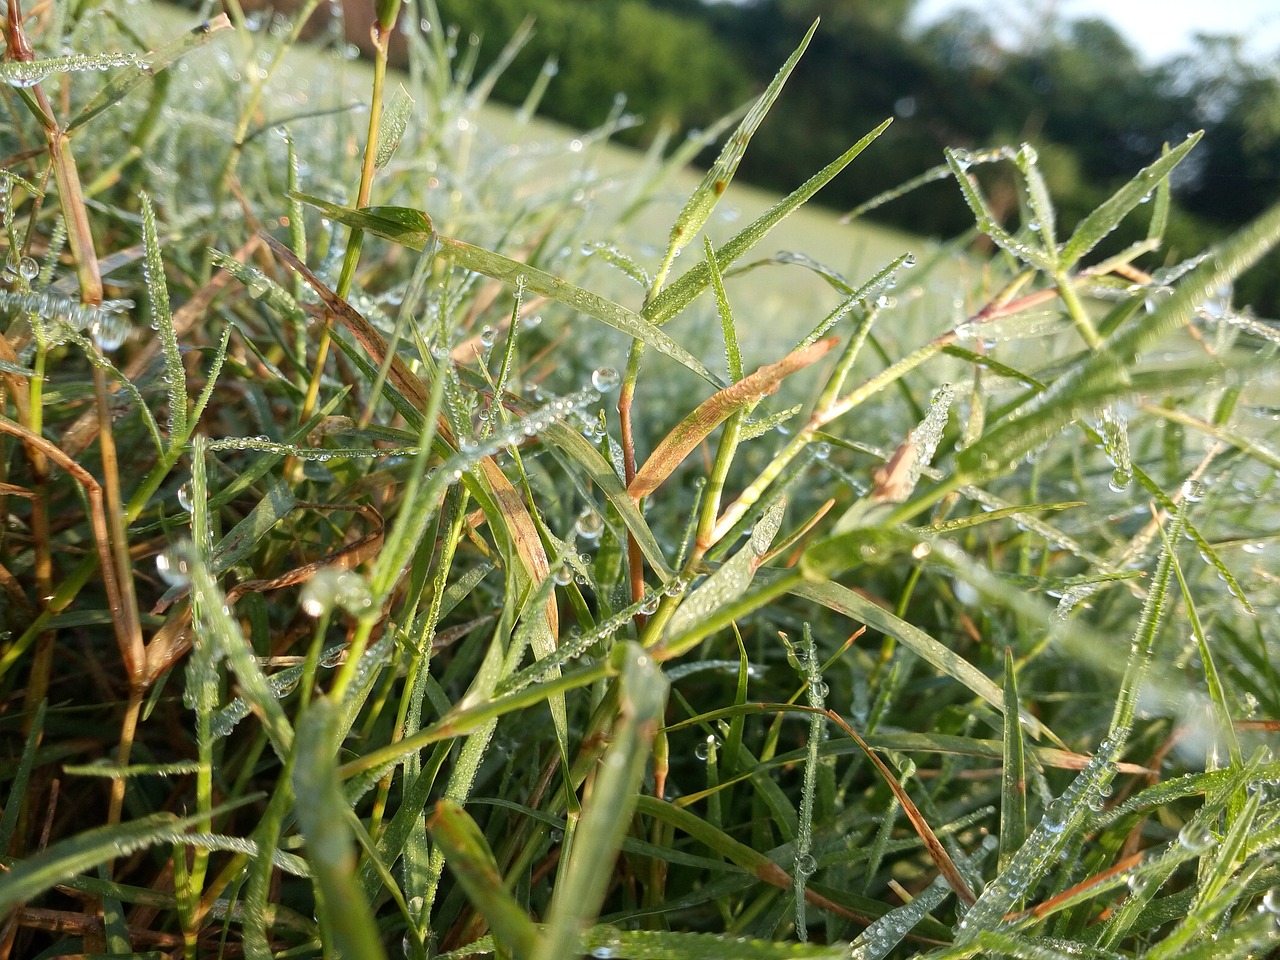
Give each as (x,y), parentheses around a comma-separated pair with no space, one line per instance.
(578,598)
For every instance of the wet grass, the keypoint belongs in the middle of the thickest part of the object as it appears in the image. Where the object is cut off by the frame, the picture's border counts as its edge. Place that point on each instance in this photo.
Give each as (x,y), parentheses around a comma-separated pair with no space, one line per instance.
(419,546)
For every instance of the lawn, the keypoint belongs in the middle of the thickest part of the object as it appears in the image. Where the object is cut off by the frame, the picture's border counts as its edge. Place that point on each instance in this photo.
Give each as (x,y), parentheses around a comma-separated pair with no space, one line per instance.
(435,532)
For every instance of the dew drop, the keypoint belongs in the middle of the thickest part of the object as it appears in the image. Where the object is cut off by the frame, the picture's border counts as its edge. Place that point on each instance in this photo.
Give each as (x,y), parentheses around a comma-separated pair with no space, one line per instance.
(589,525)
(707,747)
(28,268)
(109,331)
(1196,837)
(649,605)
(1193,491)
(563,575)
(174,569)
(806,865)
(184,497)
(488,336)
(605,379)
(1271,900)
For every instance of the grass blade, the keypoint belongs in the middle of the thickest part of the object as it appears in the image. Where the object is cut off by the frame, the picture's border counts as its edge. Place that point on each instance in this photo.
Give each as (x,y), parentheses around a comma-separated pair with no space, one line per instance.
(1013,778)
(472,862)
(1102,376)
(708,193)
(1093,228)
(162,321)
(607,813)
(681,292)
(322,816)
(944,659)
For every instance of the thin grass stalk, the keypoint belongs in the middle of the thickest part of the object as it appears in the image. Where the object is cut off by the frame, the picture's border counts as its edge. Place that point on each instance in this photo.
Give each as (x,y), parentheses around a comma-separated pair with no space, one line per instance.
(381,34)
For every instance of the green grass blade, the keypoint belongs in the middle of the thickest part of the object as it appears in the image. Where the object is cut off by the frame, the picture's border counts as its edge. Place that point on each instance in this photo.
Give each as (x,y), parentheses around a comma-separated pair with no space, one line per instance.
(708,193)
(395,118)
(27,879)
(161,59)
(1013,777)
(1103,375)
(162,322)
(857,607)
(1217,694)
(1093,228)
(1045,221)
(21,777)
(637,326)
(322,816)
(582,886)
(732,580)
(681,292)
(732,350)
(473,863)
(987,221)
(588,459)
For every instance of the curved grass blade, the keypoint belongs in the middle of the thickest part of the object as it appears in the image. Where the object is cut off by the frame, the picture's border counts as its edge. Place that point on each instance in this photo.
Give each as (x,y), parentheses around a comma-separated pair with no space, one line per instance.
(843,600)
(322,817)
(473,863)
(27,879)
(119,86)
(413,229)
(634,325)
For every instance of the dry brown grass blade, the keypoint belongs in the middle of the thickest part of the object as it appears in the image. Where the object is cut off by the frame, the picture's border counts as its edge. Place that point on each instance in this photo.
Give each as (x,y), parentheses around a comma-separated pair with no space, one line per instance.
(524,532)
(937,852)
(1043,909)
(715,410)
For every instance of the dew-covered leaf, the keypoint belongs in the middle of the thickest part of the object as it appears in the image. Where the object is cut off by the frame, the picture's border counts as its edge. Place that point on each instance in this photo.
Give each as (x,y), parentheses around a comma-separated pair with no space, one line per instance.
(121,84)
(841,599)
(395,118)
(681,292)
(606,817)
(1093,228)
(707,194)
(323,815)
(634,325)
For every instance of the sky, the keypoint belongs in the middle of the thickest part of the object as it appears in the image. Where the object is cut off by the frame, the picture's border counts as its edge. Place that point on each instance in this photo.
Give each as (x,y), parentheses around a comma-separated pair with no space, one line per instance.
(1157,29)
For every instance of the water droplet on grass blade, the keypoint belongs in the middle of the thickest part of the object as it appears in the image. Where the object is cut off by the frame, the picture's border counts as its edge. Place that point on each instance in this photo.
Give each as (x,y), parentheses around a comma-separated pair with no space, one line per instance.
(173,568)
(589,525)
(1196,837)
(110,330)
(605,379)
